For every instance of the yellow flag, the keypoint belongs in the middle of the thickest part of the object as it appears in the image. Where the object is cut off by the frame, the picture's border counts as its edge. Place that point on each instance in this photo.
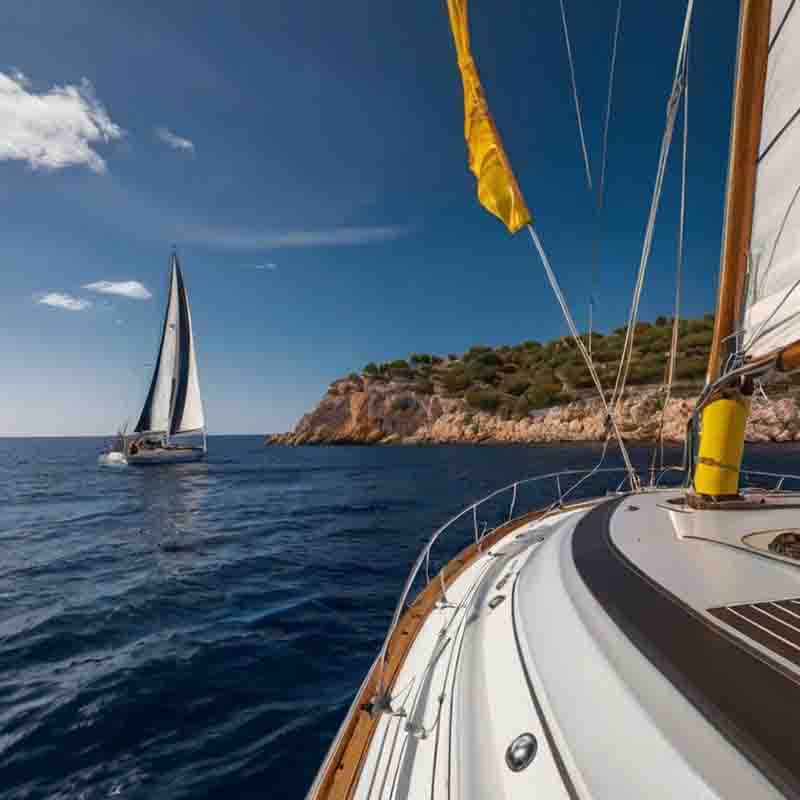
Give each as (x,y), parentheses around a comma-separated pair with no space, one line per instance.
(498,191)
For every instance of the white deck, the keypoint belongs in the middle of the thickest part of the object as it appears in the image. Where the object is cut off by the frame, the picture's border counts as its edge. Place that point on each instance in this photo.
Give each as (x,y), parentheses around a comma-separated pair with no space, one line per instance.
(473,678)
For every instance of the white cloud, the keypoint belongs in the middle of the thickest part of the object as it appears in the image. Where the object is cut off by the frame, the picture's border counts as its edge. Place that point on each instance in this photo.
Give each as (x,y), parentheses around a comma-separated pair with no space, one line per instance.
(173,140)
(132,289)
(53,129)
(65,301)
(233,239)
(269,266)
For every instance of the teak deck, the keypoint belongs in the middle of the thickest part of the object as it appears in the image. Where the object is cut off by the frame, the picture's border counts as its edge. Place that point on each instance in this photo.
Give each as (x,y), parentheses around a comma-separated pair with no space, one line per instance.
(343,766)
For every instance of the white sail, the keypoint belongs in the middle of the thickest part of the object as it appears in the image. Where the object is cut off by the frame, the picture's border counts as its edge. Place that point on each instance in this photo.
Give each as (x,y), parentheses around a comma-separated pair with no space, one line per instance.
(192,417)
(772,305)
(157,412)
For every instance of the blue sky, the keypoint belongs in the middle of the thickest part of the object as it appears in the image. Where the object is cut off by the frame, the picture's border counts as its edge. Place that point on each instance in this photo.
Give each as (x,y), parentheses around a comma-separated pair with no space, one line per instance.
(307,159)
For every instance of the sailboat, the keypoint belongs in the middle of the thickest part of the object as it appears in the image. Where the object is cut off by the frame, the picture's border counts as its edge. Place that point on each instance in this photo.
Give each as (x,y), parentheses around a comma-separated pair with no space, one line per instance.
(173,412)
(633,638)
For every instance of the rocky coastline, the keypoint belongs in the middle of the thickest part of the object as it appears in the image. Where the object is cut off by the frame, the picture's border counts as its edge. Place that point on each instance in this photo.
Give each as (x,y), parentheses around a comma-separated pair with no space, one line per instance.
(363,410)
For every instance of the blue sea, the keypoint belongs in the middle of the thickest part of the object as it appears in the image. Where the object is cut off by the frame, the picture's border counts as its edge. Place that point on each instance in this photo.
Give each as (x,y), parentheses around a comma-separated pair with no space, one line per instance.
(200,630)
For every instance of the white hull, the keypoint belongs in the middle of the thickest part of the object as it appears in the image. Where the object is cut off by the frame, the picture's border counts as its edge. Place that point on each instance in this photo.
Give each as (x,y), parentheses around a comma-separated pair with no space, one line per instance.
(540,636)
(166,455)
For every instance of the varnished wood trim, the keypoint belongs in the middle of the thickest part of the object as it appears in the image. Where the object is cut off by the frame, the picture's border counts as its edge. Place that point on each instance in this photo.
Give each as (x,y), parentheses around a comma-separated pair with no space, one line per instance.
(748,106)
(343,766)
(789,359)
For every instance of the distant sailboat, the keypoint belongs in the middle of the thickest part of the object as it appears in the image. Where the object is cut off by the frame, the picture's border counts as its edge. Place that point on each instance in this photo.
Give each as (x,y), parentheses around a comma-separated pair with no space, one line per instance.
(174,407)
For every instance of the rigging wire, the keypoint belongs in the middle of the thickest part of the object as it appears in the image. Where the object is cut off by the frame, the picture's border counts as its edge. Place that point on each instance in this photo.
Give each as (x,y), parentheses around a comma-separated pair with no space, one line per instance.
(672,109)
(575,97)
(610,419)
(673,351)
(603,162)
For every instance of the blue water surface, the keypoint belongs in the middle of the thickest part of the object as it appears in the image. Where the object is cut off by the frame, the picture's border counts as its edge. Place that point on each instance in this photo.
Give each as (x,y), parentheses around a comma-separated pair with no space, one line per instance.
(199,630)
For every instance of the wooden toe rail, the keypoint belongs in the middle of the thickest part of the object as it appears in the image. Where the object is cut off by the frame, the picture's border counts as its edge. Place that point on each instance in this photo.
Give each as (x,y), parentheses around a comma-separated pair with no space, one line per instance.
(342,767)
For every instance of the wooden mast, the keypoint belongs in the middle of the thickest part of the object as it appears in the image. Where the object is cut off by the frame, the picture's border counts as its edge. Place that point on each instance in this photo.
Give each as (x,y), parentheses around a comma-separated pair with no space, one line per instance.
(748,106)
(724,419)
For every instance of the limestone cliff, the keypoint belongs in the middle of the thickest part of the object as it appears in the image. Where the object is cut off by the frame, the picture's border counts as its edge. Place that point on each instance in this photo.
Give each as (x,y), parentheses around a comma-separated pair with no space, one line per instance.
(365,410)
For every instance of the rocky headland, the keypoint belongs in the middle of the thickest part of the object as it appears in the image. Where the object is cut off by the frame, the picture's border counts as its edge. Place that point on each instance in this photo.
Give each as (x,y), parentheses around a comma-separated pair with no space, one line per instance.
(530,393)
(366,411)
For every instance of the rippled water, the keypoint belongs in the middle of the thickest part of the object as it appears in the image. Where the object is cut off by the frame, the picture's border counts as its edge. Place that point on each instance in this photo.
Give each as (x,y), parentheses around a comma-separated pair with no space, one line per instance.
(182,631)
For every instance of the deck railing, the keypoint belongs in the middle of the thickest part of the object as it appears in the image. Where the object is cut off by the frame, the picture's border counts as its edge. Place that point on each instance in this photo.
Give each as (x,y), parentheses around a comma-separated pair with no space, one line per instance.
(574,479)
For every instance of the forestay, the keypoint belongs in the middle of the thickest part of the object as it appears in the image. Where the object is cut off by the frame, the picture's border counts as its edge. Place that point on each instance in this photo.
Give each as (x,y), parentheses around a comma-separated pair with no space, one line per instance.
(771,319)
(174,404)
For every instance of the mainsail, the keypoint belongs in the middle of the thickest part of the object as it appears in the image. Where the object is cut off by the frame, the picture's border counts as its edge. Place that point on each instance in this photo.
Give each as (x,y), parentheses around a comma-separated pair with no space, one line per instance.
(173,404)
(771,318)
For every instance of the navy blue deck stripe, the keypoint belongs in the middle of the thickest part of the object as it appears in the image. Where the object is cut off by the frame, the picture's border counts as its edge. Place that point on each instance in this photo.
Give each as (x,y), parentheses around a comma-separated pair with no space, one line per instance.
(750,699)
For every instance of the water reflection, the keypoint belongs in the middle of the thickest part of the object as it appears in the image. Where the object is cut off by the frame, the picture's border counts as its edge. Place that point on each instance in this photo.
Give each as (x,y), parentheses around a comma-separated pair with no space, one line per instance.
(173,499)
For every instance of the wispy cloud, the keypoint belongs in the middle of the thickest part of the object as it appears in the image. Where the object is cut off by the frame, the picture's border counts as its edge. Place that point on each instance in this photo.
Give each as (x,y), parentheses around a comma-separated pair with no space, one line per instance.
(232,239)
(65,301)
(132,289)
(268,266)
(173,140)
(52,129)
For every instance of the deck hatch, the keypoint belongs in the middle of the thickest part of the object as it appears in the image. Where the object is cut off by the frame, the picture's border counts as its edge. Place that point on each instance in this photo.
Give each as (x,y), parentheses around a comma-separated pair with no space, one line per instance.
(774,625)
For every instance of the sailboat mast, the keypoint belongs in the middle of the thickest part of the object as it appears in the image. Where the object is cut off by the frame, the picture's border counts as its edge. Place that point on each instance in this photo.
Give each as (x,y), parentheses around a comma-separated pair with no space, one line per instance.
(748,108)
(174,278)
(724,418)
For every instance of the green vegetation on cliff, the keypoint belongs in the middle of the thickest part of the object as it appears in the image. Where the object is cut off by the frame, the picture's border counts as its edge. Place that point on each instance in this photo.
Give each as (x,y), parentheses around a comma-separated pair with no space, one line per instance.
(513,380)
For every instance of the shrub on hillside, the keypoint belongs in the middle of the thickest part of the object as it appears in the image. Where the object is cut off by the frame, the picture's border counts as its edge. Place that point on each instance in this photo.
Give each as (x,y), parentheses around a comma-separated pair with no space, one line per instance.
(541,395)
(371,369)
(522,407)
(544,375)
(698,325)
(645,372)
(423,386)
(455,381)
(476,350)
(483,399)
(485,373)
(516,385)
(606,355)
(690,369)
(399,363)
(699,339)
(529,360)
(488,358)
(576,375)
